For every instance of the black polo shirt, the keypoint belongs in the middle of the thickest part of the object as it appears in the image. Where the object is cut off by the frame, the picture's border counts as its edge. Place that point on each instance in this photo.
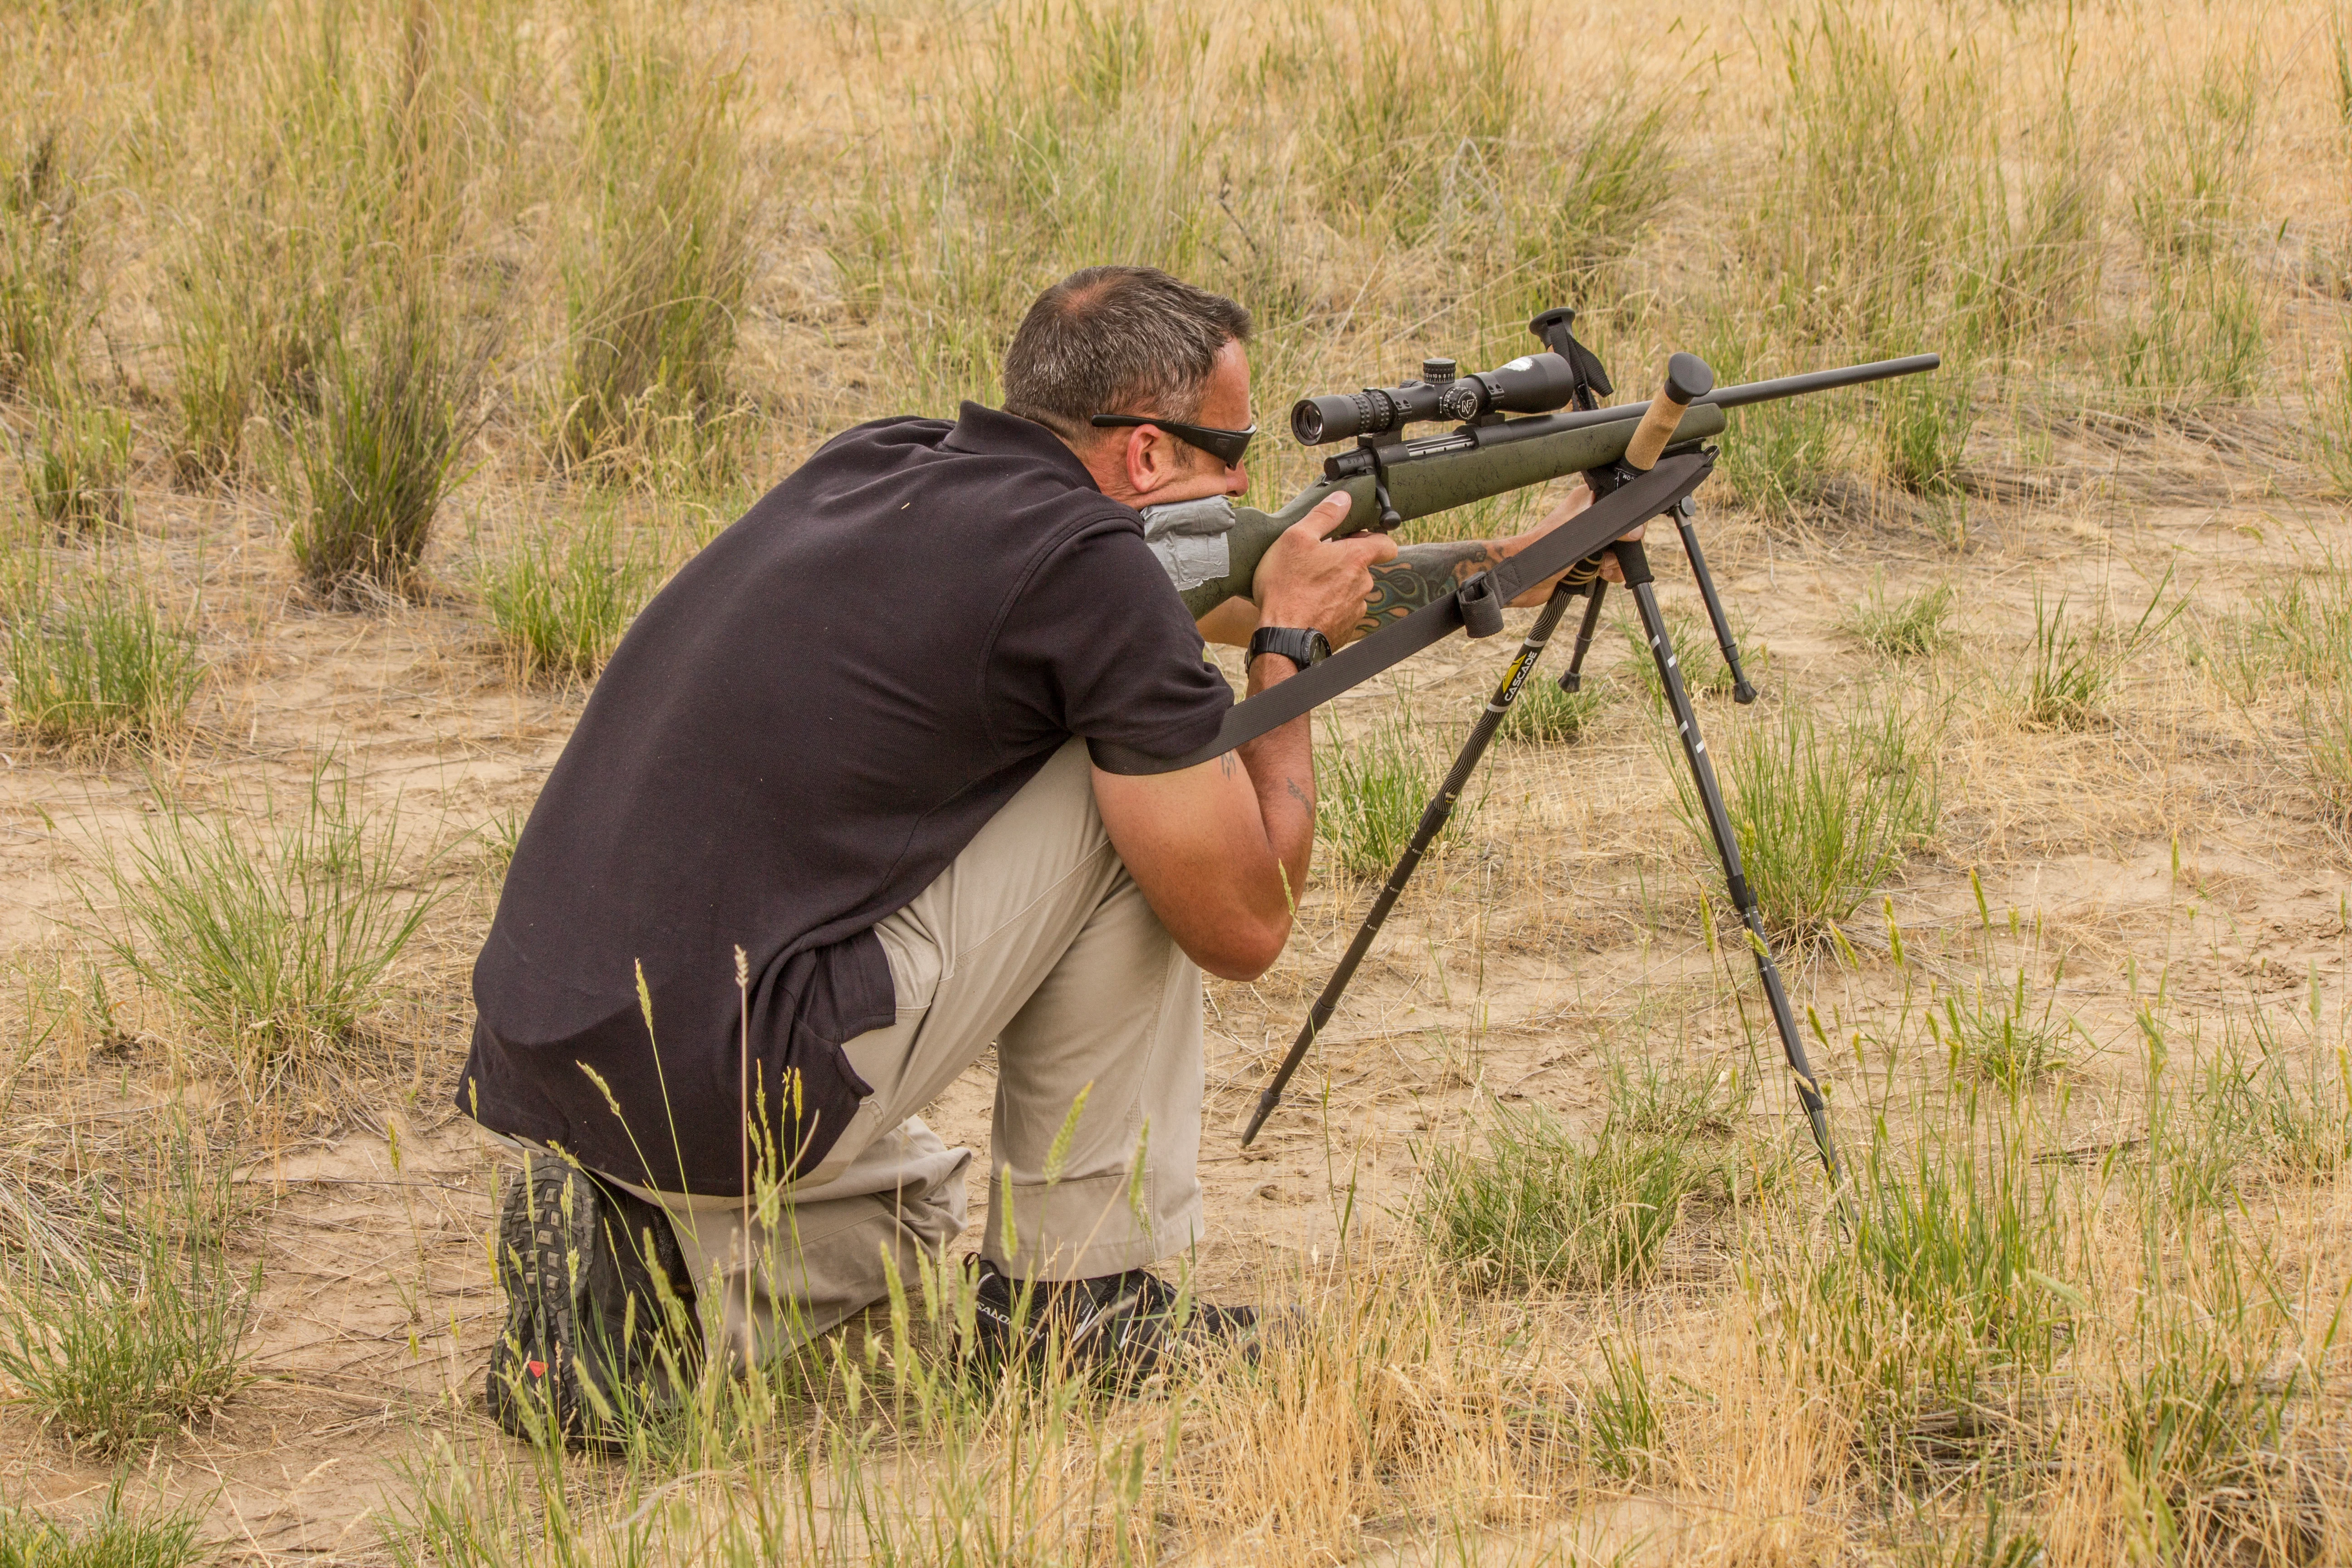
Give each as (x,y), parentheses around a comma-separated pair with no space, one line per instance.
(796,736)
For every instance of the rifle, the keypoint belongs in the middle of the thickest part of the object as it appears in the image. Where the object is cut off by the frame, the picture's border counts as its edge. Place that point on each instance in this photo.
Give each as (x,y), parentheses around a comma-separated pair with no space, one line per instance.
(1639,461)
(1390,479)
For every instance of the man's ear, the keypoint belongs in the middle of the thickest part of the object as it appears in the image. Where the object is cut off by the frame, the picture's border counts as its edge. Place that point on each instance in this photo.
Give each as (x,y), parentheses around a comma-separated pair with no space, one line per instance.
(1154,458)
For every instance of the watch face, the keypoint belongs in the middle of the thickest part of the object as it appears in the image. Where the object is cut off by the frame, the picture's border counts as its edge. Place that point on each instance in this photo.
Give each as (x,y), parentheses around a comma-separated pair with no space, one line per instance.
(1301,646)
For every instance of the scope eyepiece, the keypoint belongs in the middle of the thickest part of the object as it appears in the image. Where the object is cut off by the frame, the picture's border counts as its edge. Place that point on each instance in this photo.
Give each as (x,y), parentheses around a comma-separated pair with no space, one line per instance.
(1336,416)
(1535,383)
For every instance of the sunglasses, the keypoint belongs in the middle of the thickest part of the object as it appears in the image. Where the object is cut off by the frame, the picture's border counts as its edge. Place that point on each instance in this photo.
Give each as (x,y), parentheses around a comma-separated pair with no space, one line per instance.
(1228,447)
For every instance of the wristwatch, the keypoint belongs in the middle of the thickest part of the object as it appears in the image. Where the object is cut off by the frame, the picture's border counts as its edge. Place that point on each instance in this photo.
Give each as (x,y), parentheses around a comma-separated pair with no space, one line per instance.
(1301,646)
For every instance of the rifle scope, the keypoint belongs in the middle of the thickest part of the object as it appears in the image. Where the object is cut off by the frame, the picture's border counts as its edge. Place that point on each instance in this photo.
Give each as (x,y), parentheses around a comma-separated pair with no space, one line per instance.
(1533,384)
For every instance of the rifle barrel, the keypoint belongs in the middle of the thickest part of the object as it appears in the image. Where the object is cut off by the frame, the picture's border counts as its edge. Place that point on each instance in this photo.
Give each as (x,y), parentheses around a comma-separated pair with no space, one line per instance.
(1819,380)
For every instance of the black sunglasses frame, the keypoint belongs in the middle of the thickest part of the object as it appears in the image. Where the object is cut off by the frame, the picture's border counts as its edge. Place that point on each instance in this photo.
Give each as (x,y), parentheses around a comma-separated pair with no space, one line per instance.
(1228,447)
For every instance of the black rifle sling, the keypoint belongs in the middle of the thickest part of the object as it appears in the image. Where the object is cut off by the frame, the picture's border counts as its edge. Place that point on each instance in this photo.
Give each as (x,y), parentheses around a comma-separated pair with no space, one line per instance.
(1622,511)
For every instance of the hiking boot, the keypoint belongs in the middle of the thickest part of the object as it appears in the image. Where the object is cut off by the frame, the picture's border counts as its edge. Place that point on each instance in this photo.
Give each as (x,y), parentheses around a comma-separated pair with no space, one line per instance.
(1127,1325)
(600,1310)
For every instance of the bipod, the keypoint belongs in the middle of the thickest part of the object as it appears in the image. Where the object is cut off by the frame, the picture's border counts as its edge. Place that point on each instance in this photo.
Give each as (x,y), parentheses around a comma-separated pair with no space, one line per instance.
(1686,378)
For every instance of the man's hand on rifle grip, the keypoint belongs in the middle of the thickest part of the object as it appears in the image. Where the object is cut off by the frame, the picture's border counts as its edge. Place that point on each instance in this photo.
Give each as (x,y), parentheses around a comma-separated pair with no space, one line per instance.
(1309,579)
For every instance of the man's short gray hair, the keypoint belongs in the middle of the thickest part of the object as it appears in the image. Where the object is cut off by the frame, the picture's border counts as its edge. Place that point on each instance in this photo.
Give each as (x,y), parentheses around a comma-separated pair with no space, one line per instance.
(1118,339)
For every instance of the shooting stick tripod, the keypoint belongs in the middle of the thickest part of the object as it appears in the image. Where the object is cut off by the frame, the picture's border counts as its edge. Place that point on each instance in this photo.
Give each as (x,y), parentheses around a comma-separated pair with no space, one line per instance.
(1433,817)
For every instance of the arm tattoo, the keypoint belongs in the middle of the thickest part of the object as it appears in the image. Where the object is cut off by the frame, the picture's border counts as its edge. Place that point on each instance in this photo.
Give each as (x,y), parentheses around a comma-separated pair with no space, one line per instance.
(1422,575)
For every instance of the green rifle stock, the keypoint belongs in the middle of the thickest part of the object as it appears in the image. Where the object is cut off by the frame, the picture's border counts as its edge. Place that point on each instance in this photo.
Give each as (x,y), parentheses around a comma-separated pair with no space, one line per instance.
(1438,473)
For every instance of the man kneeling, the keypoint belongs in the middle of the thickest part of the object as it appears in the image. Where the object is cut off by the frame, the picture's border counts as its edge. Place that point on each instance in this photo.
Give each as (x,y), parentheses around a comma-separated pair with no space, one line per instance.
(829,827)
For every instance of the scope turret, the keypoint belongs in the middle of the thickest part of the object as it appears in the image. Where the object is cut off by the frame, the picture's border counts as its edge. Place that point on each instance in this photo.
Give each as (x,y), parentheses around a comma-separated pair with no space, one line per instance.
(1534,384)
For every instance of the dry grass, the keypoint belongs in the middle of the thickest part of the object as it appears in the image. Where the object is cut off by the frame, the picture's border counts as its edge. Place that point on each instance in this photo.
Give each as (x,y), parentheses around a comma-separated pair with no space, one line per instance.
(479,315)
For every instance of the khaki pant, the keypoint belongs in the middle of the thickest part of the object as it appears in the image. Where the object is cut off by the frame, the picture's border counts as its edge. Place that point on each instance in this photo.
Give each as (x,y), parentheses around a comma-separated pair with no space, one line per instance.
(1037,940)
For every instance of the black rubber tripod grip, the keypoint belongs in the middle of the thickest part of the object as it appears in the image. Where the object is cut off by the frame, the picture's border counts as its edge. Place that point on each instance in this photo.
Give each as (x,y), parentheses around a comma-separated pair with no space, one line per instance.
(1592,529)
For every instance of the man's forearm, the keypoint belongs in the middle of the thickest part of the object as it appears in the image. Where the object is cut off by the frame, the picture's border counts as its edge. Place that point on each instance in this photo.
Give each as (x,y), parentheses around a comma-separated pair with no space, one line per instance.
(1424,573)
(1421,574)
(1281,764)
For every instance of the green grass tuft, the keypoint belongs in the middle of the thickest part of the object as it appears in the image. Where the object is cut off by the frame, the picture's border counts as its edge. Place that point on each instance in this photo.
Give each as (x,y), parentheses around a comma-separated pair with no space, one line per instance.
(77,467)
(365,172)
(1621,1427)
(1604,190)
(1786,451)
(654,286)
(2253,1107)
(2301,630)
(41,245)
(1370,791)
(274,946)
(255,313)
(560,609)
(95,665)
(2070,673)
(1947,1289)
(1966,1241)
(1824,815)
(2327,718)
(143,1338)
(1538,1207)
(1917,624)
(1923,427)
(1680,1099)
(2327,415)
(2195,336)
(1544,715)
(1996,1036)
(394,401)
(112,1540)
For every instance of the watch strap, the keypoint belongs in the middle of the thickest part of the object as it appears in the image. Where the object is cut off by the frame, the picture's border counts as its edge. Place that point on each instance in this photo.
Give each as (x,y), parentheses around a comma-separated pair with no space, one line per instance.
(1302,646)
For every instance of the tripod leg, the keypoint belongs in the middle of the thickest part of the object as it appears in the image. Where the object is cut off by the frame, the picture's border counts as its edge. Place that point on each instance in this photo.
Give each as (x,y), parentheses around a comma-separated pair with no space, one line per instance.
(1741,691)
(1574,678)
(1727,845)
(1433,817)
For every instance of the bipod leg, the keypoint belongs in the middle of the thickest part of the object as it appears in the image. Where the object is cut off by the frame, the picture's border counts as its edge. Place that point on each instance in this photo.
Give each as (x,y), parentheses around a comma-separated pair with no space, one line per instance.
(1685,513)
(1433,817)
(1574,680)
(1727,845)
